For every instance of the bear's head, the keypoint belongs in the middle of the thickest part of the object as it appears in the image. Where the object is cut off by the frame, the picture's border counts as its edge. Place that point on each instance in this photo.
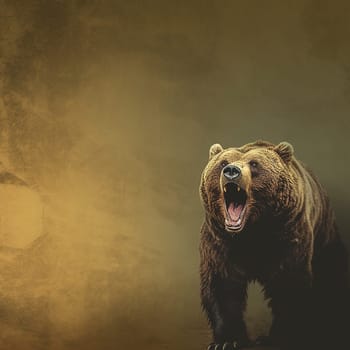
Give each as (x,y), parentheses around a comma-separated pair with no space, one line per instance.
(241,185)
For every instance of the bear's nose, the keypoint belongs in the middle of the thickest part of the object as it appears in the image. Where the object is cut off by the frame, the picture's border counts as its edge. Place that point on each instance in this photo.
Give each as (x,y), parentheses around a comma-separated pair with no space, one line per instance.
(231,172)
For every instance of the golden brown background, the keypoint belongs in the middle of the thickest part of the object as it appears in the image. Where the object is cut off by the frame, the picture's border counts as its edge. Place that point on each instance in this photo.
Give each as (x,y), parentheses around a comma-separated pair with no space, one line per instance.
(107,110)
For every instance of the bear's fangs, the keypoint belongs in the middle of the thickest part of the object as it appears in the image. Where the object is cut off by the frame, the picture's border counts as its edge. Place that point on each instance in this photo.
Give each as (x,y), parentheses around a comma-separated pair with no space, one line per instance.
(238,189)
(235,206)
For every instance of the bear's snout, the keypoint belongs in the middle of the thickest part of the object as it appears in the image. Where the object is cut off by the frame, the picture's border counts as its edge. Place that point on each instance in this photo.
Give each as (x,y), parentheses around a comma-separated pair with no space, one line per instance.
(231,172)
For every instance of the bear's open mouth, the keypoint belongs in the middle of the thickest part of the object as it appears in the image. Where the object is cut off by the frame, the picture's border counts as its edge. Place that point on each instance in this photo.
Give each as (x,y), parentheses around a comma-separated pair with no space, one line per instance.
(235,205)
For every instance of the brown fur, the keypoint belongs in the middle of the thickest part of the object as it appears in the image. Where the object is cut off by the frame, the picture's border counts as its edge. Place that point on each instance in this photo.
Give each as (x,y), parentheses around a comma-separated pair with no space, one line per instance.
(289,243)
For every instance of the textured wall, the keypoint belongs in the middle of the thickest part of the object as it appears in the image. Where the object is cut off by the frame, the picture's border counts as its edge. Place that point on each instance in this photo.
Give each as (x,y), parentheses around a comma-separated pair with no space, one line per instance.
(108,108)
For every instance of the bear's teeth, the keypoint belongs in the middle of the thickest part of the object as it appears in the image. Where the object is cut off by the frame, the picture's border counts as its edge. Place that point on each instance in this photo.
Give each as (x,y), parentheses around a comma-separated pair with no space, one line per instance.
(238,188)
(225,189)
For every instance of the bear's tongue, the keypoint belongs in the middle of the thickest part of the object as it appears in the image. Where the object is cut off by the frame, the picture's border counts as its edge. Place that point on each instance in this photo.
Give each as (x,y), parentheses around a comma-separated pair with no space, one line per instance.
(235,210)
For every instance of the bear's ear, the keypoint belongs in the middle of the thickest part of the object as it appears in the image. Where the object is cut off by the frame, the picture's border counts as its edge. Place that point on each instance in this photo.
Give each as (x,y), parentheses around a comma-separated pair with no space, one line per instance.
(285,150)
(215,149)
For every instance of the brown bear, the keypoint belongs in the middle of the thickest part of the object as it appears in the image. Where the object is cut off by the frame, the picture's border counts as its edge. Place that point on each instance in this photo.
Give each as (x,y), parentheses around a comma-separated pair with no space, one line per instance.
(268,219)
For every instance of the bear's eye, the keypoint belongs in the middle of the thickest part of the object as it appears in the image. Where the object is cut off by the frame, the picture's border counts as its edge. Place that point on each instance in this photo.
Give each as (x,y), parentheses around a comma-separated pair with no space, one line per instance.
(253,164)
(224,163)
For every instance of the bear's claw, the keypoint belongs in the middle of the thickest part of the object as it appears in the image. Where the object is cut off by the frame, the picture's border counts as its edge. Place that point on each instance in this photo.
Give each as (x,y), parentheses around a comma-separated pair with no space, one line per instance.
(225,346)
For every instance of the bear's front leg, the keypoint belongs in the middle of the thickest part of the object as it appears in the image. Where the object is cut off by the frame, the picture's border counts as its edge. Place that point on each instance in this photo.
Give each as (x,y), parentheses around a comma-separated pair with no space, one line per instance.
(290,300)
(224,300)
